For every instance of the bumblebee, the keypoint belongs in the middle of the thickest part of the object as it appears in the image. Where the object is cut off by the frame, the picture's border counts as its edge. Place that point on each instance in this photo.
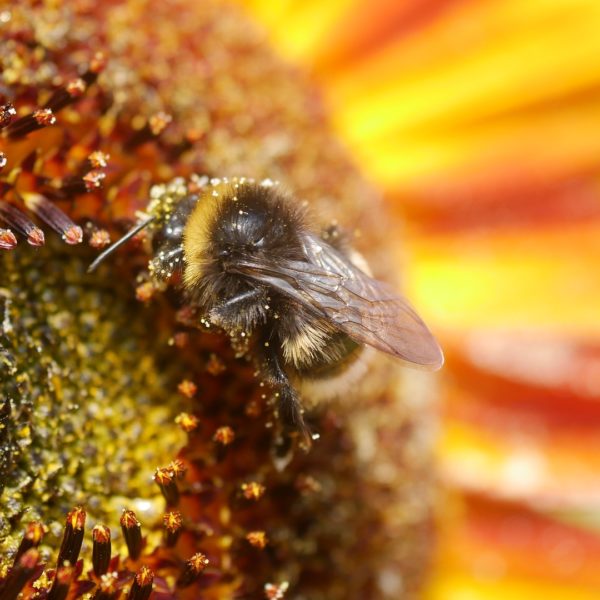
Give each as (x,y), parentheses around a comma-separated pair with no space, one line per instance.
(247,258)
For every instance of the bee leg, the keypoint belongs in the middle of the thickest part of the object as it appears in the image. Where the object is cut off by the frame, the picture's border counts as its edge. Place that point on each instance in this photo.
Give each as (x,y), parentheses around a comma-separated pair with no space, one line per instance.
(289,406)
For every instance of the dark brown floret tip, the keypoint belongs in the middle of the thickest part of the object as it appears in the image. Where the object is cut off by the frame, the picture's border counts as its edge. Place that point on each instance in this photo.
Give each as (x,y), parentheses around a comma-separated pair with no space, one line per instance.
(101,534)
(98,63)
(98,159)
(93,180)
(173,525)
(224,436)
(75,87)
(145,291)
(276,591)
(193,569)
(44,117)
(142,585)
(72,537)
(159,122)
(129,520)
(132,533)
(258,539)
(187,388)
(253,490)
(36,237)
(187,422)
(165,479)
(66,95)
(7,239)
(101,549)
(73,235)
(215,365)
(35,532)
(177,468)
(173,520)
(100,238)
(76,518)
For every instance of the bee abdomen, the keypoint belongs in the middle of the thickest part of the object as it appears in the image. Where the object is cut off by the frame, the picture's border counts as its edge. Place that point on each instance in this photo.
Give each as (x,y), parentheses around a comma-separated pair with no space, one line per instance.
(325,361)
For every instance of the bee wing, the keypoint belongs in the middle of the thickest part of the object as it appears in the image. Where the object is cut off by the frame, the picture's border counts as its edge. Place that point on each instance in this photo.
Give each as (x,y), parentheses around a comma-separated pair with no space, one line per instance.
(367,310)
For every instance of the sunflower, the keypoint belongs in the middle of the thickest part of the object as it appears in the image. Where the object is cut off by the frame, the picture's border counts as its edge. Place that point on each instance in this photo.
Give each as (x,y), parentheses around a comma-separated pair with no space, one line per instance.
(479,121)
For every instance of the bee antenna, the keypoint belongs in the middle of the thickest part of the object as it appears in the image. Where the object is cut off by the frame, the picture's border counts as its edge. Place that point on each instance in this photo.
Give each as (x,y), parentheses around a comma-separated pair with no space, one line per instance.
(137,228)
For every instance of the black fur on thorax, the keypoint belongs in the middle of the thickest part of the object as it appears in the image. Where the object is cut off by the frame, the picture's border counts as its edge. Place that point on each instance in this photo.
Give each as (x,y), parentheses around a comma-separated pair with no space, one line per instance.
(261,223)
(254,222)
